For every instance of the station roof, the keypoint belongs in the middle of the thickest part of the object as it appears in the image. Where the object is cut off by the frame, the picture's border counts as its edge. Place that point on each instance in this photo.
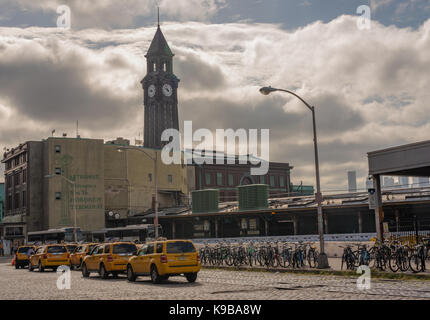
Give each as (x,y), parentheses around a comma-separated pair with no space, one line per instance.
(407,160)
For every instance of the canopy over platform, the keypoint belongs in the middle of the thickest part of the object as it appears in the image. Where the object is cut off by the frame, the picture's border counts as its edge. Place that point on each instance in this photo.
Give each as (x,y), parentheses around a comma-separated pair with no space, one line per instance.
(407,160)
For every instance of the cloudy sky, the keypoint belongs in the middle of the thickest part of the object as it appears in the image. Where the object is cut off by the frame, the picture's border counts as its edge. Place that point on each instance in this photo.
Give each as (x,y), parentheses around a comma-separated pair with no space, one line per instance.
(370,87)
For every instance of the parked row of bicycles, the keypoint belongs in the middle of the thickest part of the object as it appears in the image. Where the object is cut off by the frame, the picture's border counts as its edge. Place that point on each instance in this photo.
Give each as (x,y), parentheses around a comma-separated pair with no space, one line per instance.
(264,254)
(389,255)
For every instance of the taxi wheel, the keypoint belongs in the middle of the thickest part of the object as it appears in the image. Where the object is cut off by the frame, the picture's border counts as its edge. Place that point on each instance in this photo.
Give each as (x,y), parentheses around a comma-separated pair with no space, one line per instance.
(191,277)
(30,267)
(130,274)
(85,272)
(155,277)
(102,272)
(41,269)
(16,265)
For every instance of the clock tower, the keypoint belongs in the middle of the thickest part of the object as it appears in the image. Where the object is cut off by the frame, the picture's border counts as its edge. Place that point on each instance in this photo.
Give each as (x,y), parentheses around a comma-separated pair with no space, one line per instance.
(160,97)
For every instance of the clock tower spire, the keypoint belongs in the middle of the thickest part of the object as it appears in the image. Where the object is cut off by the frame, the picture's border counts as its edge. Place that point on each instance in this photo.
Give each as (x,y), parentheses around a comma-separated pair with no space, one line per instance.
(160,87)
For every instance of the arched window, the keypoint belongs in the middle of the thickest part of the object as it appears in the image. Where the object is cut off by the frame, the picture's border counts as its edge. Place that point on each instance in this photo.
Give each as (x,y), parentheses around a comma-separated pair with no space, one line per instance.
(165,67)
(154,67)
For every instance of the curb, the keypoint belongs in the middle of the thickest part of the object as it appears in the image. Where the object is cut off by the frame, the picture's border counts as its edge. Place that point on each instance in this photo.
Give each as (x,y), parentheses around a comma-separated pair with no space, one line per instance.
(375,274)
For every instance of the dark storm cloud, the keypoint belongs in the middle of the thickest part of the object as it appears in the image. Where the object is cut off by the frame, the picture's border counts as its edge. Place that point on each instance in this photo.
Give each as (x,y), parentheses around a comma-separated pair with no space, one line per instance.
(196,74)
(58,88)
(334,115)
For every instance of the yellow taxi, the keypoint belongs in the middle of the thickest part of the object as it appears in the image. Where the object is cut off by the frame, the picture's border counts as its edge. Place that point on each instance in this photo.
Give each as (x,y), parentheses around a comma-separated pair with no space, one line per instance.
(49,256)
(162,259)
(22,256)
(108,258)
(71,247)
(80,252)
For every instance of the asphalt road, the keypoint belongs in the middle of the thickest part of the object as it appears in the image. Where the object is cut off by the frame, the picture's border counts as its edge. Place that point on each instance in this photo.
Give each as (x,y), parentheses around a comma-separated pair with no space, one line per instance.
(210,285)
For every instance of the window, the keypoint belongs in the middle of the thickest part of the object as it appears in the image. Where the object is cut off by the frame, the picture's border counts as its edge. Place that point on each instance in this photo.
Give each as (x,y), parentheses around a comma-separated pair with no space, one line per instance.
(253,224)
(17,200)
(56,249)
(159,248)
(24,198)
(230,180)
(262,180)
(170,178)
(154,67)
(143,250)
(107,249)
(124,248)
(9,202)
(208,179)
(150,177)
(57,195)
(281,181)
(17,161)
(180,247)
(58,171)
(219,179)
(164,67)
(150,249)
(24,176)
(16,178)
(272,181)
(57,149)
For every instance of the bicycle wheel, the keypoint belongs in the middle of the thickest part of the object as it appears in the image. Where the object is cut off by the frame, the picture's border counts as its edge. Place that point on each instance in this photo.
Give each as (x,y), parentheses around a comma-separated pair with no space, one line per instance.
(415,263)
(394,263)
(312,259)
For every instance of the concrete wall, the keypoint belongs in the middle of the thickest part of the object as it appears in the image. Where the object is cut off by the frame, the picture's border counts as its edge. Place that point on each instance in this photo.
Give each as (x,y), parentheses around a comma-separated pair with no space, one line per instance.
(82,161)
(127,183)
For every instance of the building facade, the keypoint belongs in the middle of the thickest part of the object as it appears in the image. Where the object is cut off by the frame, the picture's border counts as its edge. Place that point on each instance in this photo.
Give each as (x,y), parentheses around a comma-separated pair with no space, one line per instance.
(48,181)
(44,182)
(130,183)
(23,205)
(227,177)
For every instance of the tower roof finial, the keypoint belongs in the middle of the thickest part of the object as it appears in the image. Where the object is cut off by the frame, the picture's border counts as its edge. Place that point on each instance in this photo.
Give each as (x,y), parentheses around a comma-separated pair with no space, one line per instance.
(158,8)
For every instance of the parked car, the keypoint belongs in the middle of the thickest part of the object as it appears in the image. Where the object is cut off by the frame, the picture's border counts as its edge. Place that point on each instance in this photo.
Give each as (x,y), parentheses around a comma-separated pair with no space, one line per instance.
(22,258)
(79,254)
(49,256)
(163,259)
(108,258)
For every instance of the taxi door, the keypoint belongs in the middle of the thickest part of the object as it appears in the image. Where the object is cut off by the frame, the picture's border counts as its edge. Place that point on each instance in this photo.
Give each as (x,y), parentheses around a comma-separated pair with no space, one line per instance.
(138,261)
(92,260)
(147,258)
(34,259)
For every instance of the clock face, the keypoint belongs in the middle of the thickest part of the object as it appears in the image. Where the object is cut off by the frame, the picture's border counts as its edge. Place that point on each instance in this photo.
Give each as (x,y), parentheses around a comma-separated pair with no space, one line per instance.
(167,90)
(151,91)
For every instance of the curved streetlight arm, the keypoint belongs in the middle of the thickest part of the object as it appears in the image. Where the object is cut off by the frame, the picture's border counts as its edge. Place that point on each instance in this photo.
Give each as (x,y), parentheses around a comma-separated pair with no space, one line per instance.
(297,96)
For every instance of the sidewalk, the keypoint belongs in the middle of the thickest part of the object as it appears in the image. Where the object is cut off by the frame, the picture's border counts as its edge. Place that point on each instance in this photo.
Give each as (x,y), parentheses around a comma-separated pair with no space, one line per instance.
(6,259)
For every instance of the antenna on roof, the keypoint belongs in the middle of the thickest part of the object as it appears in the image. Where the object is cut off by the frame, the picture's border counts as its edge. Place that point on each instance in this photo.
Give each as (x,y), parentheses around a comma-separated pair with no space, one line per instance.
(158,9)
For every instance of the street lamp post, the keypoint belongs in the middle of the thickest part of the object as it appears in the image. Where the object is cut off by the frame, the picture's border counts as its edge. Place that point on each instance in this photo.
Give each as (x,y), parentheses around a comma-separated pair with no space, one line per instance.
(322,258)
(155,182)
(75,236)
